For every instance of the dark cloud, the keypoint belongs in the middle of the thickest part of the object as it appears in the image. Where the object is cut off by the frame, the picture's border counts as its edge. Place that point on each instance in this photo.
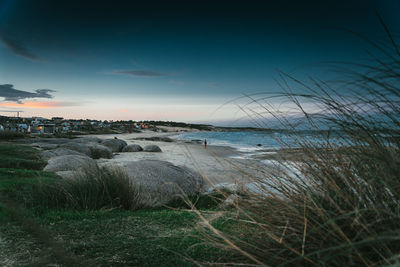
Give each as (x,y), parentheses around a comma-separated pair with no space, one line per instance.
(18,48)
(141,73)
(11,94)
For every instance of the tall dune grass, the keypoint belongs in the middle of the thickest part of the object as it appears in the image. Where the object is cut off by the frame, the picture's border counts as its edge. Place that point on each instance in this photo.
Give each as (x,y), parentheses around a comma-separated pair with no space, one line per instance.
(91,189)
(339,205)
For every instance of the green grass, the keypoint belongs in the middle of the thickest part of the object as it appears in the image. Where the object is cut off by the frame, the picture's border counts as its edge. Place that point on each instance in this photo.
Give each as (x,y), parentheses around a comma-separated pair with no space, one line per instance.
(126,238)
(92,189)
(19,183)
(20,157)
(200,202)
(34,234)
(113,238)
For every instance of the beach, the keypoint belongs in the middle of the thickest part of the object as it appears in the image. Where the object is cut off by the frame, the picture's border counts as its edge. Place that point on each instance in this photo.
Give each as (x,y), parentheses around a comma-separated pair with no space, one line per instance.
(217,164)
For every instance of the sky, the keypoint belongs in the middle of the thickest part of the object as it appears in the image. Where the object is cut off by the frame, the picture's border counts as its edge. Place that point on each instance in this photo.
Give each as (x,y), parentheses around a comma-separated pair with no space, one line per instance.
(170,60)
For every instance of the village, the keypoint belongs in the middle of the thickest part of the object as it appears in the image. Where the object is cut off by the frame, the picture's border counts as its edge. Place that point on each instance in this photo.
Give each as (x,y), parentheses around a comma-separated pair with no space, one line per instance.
(59,125)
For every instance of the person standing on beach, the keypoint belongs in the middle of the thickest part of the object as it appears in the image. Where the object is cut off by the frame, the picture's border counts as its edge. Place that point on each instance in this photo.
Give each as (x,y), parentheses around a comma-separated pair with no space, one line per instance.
(205,143)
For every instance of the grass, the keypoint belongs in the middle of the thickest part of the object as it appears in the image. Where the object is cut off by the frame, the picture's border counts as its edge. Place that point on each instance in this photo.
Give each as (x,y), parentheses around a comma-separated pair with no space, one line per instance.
(92,189)
(95,227)
(19,183)
(164,236)
(201,202)
(339,206)
(114,238)
(20,157)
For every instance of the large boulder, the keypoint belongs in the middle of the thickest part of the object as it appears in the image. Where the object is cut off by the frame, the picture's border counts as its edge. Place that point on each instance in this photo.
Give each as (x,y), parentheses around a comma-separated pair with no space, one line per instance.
(152,148)
(93,150)
(58,141)
(116,145)
(80,147)
(160,182)
(156,138)
(69,163)
(45,146)
(59,152)
(98,151)
(132,148)
(88,140)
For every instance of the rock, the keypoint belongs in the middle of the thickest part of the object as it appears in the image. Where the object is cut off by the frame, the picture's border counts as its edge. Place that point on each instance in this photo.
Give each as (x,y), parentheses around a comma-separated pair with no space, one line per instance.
(82,148)
(69,163)
(160,182)
(132,148)
(98,151)
(93,150)
(152,148)
(230,201)
(155,138)
(48,140)
(231,188)
(88,140)
(59,152)
(116,145)
(45,146)
(68,174)
(259,144)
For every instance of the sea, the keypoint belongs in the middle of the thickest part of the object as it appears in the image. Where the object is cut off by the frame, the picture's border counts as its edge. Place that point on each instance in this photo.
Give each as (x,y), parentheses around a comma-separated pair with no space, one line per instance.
(250,142)
(244,141)
(257,144)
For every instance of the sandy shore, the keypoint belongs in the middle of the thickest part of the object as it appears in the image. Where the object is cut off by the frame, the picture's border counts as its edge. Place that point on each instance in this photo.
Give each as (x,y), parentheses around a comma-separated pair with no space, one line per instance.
(219,164)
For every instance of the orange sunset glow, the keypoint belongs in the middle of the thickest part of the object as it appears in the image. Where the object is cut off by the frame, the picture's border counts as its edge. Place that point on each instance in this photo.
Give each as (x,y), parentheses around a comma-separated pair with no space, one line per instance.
(33,104)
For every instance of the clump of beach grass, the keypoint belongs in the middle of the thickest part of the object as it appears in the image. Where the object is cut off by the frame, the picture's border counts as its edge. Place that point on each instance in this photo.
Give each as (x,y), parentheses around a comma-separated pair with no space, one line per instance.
(89,189)
(339,204)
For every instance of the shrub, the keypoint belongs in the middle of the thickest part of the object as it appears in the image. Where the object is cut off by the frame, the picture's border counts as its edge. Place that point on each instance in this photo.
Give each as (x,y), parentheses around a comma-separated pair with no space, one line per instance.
(91,189)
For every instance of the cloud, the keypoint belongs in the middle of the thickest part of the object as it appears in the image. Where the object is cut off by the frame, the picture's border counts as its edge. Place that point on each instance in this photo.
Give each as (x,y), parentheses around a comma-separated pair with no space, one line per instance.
(141,73)
(11,94)
(40,104)
(18,48)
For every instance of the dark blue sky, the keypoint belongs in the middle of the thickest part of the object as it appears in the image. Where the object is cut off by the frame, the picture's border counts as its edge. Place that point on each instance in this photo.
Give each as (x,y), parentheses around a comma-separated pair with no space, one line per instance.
(166,59)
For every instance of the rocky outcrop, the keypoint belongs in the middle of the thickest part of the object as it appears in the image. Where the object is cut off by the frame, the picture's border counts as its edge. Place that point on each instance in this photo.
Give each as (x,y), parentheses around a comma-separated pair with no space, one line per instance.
(88,140)
(45,146)
(116,145)
(59,152)
(80,147)
(98,151)
(93,150)
(69,163)
(152,148)
(155,138)
(132,148)
(58,141)
(161,182)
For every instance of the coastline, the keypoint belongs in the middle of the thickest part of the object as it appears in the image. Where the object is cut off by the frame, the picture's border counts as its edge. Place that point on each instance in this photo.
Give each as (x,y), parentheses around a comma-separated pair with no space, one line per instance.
(217,164)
